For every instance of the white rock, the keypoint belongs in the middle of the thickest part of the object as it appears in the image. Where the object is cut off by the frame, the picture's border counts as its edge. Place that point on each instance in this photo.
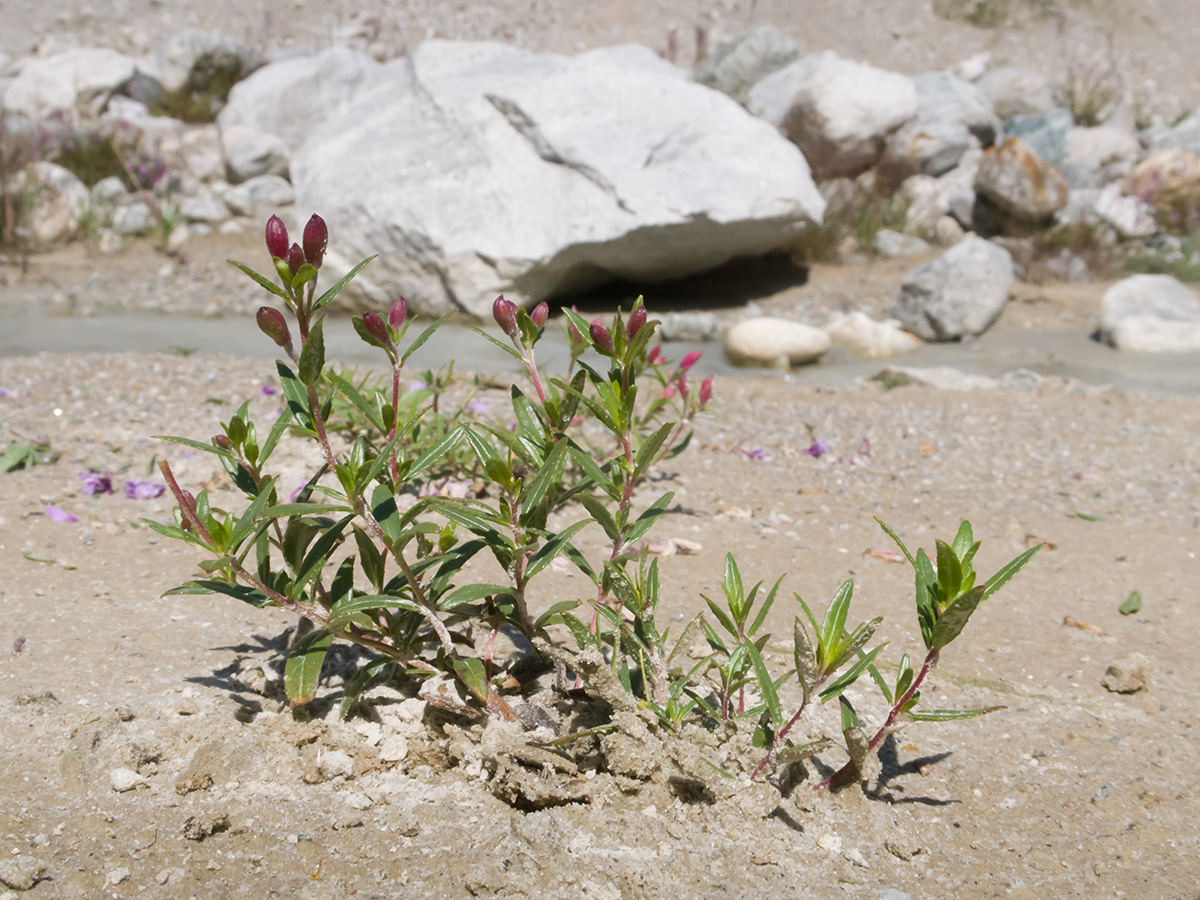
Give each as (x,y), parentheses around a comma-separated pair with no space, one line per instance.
(1018,92)
(930,199)
(141,134)
(260,193)
(1184,134)
(945,97)
(837,111)
(200,147)
(866,338)
(480,169)
(108,191)
(132,218)
(55,202)
(394,748)
(973,67)
(1151,314)
(1130,216)
(945,378)
(746,60)
(66,82)
(961,293)
(336,763)
(895,243)
(767,341)
(290,98)
(1105,143)
(117,876)
(123,780)
(203,207)
(926,148)
(250,152)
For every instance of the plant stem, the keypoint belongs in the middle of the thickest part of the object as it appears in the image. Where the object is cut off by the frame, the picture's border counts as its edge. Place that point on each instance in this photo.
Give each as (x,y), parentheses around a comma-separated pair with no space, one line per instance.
(850,768)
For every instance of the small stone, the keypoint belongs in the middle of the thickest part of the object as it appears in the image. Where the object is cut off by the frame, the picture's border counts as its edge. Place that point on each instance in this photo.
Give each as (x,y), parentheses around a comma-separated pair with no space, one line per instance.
(116,876)
(830,842)
(901,846)
(335,763)
(21,872)
(394,748)
(197,828)
(123,780)
(1127,675)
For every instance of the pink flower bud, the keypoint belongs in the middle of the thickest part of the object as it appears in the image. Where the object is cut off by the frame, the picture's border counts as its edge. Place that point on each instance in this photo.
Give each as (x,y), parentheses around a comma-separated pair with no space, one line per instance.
(539,314)
(690,360)
(655,357)
(295,259)
(398,313)
(376,328)
(277,238)
(316,238)
(636,320)
(601,339)
(706,390)
(505,314)
(668,392)
(272,323)
(683,385)
(221,441)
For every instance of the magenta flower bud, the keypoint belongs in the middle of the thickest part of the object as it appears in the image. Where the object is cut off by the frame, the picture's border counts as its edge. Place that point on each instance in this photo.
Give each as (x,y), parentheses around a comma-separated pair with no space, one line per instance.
(683,385)
(601,338)
(706,390)
(221,441)
(272,323)
(505,314)
(316,238)
(295,259)
(690,360)
(539,314)
(655,357)
(374,325)
(277,238)
(397,314)
(636,320)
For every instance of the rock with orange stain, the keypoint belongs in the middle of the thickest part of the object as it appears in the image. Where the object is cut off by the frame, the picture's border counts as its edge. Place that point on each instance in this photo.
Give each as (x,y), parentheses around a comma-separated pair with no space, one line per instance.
(1020,183)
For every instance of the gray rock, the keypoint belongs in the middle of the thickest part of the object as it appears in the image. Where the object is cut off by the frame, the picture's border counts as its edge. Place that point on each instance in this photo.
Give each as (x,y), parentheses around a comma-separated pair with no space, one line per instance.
(200,147)
(924,148)
(67,82)
(895,244)
(1045,133)
(1020,183)
(1018,92)
(1151,314)
(943,378)
(691,327)
(959,294)
(57,201)
(479,169)
(142,135)
(980,13)
(196,61)
(838,112)
(1130,216)
(132,218)
(1128,675)
(289,98)
(21,873)
(203,206)
(862,336)
(944,97)
(1184,134)
(107,191)
(249,153)
(932,199)
(260,193)
(746,60)
(1107,144)
(772,342)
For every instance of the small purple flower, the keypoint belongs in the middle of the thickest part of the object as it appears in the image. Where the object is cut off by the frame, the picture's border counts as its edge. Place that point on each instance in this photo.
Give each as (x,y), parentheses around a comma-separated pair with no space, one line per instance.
(818,449)
(187,454)
(295,495)
(96,481)
(143,490)
(417,386)
(479,407)
(759,453)
(5,393)
(268,390)
(58,515)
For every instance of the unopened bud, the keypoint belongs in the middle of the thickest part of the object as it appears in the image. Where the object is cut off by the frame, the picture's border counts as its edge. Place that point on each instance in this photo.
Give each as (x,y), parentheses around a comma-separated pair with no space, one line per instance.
(277,238)
(690,360)
(398,313)
(316,238)
(374,325)
(222,442)
(539,314)
(654,357)
(505,314)
(272,323)
(706,390)
(601,339)
(295,259)
(637,319)
(683,385)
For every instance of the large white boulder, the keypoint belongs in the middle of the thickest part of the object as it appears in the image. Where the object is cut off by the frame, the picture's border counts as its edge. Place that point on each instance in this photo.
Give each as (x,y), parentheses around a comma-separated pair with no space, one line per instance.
(68,83)
(837,111)
(475,169)
(288,98)
(250,152)
(1151,314)
(957,295)
(775,343)
(52,201)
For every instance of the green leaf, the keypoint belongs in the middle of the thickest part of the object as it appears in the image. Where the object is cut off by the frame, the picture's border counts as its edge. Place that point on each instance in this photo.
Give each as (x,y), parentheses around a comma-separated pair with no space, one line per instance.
(1087,517)
(849,716)
(277,430)
(765,685)
(925,570)
(303,509)
(899,543)
(346,610)
(469,592)
(439,451)
(1006,573)
(359,682)
(593,471)
(312,357)
(302,671)
(603,517)
(963,541)
(954,617)
(339,284)
(854,643)
(319,552)
(804,657)
(370,558)
(948,570)
(950,715)
(424,336)
(549,474)
(306,273)
(553,546)
(507,348)
(195,445)
(647,519)
(471,673)
(1132,604)
(238,591)
(767,603)
(262,280)
(829,639)
(369,410)
(647,453)
(850,676)
(296,394)
(725,621)
(552,615)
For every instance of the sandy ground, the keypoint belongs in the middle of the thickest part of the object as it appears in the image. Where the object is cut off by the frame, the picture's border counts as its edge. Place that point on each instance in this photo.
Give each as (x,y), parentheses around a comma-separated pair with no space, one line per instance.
(1073,791)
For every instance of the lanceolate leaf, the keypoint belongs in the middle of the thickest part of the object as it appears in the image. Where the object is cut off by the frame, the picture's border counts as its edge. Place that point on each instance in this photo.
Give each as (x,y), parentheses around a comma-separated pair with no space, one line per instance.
(312,357)
(302,671)
(1006,573)
(954,617)
(766,685)
(805,659)
(261,280)
(649,517)
(949,715)
(340,283)
(850,676)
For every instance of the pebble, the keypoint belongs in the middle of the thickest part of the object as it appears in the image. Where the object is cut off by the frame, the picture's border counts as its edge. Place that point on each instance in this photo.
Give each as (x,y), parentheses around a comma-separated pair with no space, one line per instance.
(21,872)
(116,876)
(1127,675)
(394,748)
(123,780)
